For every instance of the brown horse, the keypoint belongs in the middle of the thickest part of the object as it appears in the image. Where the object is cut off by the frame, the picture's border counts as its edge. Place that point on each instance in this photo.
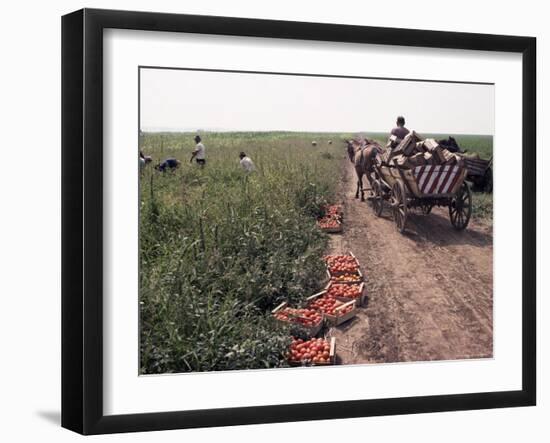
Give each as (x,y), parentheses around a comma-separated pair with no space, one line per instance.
(362,153)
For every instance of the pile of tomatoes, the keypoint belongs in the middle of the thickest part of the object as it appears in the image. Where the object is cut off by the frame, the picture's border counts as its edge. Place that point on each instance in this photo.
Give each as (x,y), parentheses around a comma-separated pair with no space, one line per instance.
(340,264)
(341,312)
(328,223)
(344,290)
(316,351)
(347,277)
(304,316)
(328,305)
(325,304)
(333,217)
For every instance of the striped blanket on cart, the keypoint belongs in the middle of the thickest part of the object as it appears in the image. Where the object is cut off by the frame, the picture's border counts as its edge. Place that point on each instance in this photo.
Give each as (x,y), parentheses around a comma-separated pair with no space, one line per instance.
(437,179)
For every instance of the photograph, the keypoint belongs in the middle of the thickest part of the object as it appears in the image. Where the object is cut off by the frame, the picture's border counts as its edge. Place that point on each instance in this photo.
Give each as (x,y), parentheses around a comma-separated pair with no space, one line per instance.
(305,220)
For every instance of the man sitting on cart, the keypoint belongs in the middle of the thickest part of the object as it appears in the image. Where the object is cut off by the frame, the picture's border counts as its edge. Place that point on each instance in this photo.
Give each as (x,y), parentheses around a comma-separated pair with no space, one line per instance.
(398,133)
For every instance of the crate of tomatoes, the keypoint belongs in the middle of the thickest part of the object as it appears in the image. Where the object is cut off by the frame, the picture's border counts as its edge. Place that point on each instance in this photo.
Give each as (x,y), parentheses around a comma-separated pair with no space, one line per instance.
(343,268)
(334,211)
(347,292)
(342,313)
(330,225)
(348,278)
(306,320)
(313,352)
(335,311)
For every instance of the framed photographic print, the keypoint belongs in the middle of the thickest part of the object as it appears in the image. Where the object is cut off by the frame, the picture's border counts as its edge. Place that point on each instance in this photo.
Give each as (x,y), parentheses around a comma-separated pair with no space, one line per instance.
(269,221)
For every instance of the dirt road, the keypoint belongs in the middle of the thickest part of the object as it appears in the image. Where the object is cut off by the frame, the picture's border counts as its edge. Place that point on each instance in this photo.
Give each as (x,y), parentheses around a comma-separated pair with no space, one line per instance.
(430,290)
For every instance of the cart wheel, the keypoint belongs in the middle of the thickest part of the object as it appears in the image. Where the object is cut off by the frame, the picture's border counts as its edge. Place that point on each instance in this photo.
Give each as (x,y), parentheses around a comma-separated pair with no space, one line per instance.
(488,181)
(460,208)
(377,201)
(426,209)
(399,205)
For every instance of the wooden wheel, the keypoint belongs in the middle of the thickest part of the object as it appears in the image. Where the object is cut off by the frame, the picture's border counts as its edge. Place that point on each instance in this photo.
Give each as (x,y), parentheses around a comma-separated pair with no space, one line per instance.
(376,200)
(399,205)
(460,208)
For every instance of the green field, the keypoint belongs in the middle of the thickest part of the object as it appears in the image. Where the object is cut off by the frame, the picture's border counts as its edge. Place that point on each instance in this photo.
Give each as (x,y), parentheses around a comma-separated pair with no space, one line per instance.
(219,249)
(165,143)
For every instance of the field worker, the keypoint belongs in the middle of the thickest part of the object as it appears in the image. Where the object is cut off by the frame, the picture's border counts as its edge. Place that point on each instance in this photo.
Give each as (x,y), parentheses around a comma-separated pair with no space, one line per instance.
(144,160)
(246,162)
(170,164)
(199,153)
(399,132)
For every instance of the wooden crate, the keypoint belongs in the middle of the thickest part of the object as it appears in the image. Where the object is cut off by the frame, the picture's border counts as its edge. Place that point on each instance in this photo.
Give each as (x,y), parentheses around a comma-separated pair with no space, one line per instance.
(336,320)
(332,354)
(476,166)
(340,273)
(315,296)
(332,357)
(335,230)
(310,331)
(339,210)
(361,299)
(359,274)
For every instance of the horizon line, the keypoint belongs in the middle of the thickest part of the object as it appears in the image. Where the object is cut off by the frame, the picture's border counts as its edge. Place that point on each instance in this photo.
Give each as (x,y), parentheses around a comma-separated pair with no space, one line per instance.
(297,131)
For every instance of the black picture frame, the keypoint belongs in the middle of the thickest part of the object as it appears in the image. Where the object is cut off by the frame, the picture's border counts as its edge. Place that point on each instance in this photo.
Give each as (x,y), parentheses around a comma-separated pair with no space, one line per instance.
(82,218)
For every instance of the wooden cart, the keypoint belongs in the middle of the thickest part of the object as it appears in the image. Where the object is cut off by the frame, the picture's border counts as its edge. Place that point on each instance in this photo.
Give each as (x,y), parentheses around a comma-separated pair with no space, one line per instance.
(480,173)
(422,187)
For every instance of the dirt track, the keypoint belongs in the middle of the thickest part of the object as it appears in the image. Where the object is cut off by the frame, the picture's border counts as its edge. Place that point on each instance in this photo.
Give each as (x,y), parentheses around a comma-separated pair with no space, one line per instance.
(430,290)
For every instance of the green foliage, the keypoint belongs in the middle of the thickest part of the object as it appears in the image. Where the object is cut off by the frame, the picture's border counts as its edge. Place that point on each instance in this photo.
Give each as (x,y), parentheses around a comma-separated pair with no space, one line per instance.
(219,249)
(482,206)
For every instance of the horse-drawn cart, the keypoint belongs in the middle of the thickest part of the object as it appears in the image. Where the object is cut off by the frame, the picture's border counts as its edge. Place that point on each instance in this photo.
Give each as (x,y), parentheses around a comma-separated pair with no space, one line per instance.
(422,187)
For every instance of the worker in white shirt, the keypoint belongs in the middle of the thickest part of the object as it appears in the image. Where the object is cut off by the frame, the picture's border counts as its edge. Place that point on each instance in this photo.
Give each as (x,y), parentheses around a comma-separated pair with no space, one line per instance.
(246,163)
(143,160)
(199,153)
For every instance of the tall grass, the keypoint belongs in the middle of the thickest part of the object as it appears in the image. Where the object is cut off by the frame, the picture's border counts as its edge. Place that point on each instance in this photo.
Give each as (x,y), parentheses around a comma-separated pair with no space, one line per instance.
(219,249)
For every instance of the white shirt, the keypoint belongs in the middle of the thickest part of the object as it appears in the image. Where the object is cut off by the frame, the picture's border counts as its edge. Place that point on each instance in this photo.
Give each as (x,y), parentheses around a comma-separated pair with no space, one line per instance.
(199,149)
(247,164)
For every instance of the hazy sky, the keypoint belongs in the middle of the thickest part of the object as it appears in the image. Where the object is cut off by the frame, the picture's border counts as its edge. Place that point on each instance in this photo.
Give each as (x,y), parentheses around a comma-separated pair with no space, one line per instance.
(192,100)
